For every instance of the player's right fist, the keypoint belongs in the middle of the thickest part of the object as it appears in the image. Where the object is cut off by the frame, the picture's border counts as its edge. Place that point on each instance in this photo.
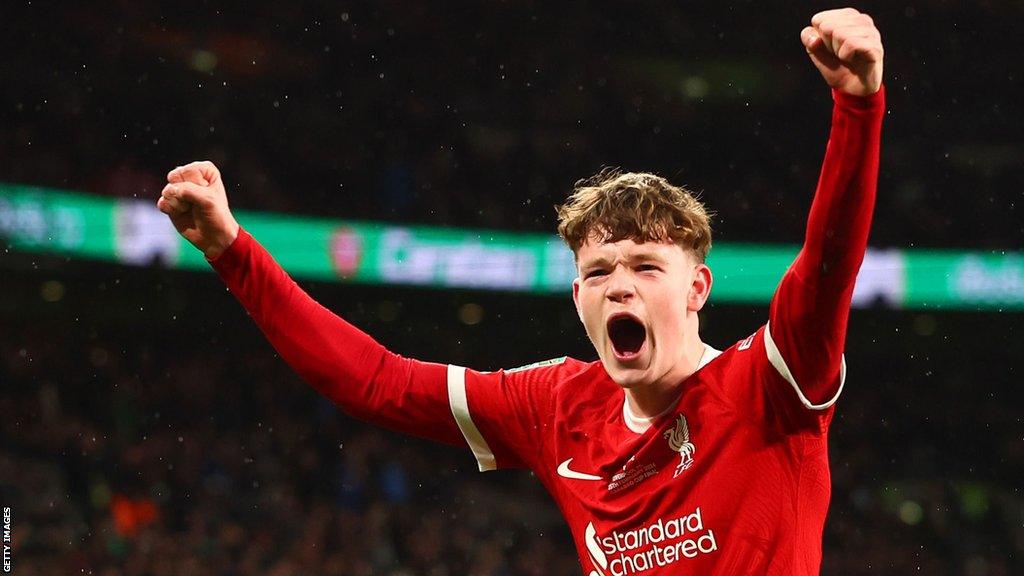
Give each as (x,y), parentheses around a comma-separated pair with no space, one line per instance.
(846,47)
(197,204)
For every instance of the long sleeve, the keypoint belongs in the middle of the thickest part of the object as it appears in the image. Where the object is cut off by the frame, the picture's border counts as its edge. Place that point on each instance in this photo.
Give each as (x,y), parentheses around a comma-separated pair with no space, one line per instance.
(808,315)
(337,359)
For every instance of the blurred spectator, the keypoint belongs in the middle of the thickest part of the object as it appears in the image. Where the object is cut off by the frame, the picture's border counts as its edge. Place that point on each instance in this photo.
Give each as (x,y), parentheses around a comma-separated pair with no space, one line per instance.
(136,454)
(190,449)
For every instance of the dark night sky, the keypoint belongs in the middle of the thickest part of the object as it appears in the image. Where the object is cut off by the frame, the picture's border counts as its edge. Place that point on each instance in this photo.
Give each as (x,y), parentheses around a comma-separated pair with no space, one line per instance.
(484,115)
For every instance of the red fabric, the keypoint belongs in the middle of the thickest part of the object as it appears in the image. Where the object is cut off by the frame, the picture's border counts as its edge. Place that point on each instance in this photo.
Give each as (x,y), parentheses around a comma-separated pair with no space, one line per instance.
(809,312)
(753,487)
(337,359)
(758,471)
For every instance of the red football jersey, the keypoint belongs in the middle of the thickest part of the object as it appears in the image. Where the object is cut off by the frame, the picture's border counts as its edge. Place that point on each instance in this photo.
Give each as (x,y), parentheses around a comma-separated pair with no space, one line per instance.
(733,479)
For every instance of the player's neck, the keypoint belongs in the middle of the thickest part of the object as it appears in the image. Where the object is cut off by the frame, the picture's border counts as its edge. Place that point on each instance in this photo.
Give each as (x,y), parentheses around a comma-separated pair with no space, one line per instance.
(650,401)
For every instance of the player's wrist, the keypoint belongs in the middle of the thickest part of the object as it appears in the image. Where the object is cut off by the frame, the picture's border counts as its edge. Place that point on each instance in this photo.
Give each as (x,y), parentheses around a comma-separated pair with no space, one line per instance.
(845,99)
(222,242)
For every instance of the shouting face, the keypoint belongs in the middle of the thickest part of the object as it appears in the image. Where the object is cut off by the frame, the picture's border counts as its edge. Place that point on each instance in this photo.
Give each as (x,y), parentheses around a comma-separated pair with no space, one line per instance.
(639,303)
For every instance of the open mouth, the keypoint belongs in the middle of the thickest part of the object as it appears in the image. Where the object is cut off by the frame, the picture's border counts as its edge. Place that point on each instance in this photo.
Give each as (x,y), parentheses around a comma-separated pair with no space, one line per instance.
(627,336)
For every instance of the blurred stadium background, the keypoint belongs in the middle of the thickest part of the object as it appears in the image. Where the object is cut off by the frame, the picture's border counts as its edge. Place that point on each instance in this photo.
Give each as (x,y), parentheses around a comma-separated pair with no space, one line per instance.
(149,430)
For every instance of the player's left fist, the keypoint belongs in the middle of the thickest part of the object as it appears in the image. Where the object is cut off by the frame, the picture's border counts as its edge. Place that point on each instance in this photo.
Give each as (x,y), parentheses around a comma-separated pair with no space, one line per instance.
(847,49)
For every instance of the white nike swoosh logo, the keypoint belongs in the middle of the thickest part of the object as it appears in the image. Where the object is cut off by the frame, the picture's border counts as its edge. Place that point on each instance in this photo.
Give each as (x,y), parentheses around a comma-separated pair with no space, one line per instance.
(565,472)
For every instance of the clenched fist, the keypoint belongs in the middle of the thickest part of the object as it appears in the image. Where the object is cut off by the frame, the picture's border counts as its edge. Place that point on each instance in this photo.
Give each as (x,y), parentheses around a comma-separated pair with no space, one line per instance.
(847,49)
(197,204)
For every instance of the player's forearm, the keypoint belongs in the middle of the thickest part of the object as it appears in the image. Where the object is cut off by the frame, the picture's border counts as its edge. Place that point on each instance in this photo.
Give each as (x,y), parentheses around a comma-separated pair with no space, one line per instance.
(340,361)
(840,215)
(295,324)
(811,307)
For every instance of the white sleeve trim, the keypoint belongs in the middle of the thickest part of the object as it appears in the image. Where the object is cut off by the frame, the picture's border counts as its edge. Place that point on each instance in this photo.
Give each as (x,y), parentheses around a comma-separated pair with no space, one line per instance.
(460,409)
(775,357)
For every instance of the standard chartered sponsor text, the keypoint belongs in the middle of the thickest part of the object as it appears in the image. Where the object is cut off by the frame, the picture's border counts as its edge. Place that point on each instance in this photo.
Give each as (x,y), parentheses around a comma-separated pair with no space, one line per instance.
(657,544)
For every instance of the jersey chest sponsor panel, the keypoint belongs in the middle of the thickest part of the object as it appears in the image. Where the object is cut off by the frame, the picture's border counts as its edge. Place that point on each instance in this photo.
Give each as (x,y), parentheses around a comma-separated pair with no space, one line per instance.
(709,488)
(702,490)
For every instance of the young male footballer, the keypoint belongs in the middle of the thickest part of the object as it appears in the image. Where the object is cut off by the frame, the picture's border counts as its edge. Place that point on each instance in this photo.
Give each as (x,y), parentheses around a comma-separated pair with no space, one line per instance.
(666,456)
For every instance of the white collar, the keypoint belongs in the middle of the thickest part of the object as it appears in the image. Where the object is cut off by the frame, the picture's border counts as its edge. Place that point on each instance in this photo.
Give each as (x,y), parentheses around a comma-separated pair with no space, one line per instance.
(640,424)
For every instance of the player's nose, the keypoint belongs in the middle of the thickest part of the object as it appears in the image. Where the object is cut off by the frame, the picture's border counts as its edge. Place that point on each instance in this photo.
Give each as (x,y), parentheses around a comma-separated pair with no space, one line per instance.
(620,287)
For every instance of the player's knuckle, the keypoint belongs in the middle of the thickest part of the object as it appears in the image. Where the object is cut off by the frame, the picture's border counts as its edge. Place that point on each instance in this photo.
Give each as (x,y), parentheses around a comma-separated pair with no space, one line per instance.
(202,196)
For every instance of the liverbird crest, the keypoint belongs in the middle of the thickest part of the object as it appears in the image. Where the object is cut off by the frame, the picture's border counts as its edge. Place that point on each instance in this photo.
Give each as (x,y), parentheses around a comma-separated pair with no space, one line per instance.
(679,441)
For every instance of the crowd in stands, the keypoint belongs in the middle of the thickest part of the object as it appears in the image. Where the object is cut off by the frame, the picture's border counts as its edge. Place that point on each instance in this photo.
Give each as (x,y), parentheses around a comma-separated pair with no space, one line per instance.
(485,116)
(144,447)
(166,450)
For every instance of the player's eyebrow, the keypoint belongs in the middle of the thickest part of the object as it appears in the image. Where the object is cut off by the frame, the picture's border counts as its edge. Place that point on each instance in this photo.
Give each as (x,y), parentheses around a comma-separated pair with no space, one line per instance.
(645,256)
(595,261)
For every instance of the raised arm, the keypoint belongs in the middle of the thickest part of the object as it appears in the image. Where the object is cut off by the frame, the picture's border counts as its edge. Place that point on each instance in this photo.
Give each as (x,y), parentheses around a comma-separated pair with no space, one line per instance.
(808,316)
(337,359)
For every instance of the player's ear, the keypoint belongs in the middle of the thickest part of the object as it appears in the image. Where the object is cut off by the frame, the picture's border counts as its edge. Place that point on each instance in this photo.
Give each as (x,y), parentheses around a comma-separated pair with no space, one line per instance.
(700,288)
(576,297)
